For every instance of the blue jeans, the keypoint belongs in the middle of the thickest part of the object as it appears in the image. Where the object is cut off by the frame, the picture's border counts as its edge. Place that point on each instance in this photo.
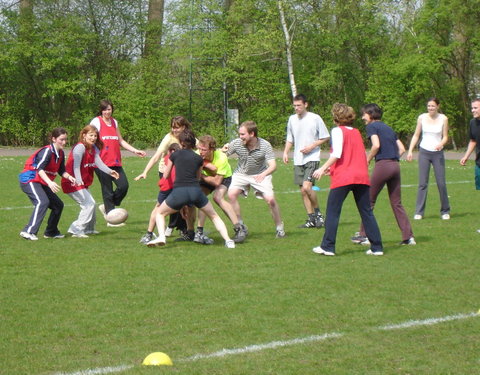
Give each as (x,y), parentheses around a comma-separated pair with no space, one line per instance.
(336,197)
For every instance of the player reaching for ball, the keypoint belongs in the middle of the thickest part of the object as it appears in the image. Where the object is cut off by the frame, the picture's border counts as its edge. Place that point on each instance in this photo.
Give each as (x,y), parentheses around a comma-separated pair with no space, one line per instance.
(186,190)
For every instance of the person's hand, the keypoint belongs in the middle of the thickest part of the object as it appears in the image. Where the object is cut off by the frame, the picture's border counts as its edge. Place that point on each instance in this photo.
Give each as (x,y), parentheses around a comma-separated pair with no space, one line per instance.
(463,161)
(140,153)
(225,147)
(409,156)
(285,158)
(54,186)
(115,175)
(139,177)
(259,177)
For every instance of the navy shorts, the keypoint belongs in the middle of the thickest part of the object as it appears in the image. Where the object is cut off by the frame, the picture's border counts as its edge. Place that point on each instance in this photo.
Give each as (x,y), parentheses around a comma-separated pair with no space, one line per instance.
(185,196)
(162,195)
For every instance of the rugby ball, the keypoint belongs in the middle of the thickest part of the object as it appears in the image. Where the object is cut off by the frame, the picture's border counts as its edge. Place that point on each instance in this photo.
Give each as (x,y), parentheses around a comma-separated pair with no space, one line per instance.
(117,216)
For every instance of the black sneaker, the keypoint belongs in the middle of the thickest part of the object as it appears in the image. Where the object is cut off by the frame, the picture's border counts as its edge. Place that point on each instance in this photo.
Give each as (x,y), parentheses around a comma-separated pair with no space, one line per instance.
(186,236)
(319,221)
(308,224)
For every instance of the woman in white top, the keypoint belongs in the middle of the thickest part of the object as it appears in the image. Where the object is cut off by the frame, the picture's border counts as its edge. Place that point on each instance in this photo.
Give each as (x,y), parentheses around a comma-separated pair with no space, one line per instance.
(434,129)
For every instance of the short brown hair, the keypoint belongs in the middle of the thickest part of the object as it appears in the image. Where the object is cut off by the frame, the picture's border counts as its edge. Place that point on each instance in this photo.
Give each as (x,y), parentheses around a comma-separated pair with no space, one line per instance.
(343,114)
(250,126)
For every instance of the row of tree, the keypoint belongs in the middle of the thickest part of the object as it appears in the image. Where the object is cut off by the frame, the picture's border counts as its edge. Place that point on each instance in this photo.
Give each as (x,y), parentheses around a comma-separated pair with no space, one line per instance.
(156,59)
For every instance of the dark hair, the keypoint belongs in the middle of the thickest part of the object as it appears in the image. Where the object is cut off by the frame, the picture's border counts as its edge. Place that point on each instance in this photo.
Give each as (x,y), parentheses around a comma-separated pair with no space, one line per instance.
(104,103)
(434,99)
(88,129)
(373,110)
(343,114)
(57,132)
(301,97)
(174,147)
(477,99)
(187,139)
(208,141)
(180,121)
(250,126)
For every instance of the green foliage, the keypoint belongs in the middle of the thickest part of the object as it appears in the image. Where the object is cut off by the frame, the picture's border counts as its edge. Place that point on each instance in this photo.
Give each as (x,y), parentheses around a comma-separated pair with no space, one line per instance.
(60,59)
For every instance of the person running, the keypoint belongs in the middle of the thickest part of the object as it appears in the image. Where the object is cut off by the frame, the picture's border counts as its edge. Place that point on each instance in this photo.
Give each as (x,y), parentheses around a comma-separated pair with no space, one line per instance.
(256,163)
(474,142)
(112,139)
(433,126)
(386,150)
(348,170)
(81,163)
(37,182)
(177,125)
(307,132)
(216,182)
(186,190)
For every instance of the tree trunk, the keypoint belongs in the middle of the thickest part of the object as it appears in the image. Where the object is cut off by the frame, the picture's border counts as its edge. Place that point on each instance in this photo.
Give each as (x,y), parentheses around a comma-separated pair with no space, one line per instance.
(288,47)
(153,37)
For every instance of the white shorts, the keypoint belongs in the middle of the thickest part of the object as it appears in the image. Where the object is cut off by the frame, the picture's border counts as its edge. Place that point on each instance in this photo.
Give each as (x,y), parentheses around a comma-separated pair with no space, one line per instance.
(244,182)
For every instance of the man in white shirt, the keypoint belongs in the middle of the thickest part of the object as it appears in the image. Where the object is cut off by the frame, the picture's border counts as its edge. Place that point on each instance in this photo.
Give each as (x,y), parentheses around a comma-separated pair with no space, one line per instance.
(307,131)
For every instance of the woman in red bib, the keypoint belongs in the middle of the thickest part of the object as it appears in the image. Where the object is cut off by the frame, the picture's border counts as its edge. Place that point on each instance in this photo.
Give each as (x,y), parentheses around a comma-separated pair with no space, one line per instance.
(37,181)
(110,154)
(348,170)
(82,161)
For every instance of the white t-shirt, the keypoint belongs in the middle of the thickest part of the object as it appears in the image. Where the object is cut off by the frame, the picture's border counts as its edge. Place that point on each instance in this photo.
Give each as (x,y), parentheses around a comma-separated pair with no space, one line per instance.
(303,132)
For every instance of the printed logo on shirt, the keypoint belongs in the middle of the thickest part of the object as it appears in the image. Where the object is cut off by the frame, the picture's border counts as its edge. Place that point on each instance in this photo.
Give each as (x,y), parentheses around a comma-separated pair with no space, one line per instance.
(110,137)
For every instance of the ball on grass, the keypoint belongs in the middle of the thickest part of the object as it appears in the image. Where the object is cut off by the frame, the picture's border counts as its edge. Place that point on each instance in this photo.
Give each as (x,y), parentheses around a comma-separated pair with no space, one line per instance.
(117,216)
(157,359)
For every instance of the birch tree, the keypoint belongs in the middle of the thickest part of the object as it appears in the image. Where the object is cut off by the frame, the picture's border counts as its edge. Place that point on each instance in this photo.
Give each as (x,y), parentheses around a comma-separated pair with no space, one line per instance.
(288,46)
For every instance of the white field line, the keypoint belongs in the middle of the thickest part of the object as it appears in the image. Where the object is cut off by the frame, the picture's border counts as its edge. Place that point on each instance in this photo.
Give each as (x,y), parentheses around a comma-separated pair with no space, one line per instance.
(279,344)
(276,192)
(426,322)
(260,347)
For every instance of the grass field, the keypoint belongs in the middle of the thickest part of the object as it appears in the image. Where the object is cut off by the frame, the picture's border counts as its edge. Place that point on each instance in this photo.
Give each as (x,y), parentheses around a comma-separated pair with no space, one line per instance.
(100,305)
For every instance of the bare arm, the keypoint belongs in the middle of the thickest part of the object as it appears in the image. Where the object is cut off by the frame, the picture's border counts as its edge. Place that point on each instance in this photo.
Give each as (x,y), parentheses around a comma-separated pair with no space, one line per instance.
(444,140)
(401,147)
(470,148)
(272,166)
(128,146)
(286,150)
(375,147)
(414,140)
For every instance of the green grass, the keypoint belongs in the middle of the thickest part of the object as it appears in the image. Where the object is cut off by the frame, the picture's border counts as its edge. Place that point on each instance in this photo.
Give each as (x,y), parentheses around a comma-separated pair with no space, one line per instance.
(77,304)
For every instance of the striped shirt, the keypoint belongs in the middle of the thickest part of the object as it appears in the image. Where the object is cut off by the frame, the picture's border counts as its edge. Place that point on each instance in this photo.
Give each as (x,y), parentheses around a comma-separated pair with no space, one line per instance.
(251,162)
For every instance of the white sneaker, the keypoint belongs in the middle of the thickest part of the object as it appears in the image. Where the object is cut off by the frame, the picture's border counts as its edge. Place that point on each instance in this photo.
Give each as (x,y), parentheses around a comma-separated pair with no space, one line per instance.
(79,235)
(417,217)
(159,241)
(230,244)
(445,217)
(410,241)
(319,250)
(376,253)
(28,236)
(116,225)
(93,232)
(168,231)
